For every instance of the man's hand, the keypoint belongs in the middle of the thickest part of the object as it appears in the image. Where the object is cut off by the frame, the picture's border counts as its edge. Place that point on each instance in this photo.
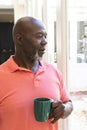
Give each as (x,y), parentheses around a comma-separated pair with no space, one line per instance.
(57,111)
(60,110)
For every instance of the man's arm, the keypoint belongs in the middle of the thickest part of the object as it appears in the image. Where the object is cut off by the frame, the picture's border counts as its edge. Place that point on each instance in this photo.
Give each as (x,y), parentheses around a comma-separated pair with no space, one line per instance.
(60,110)
(68,109)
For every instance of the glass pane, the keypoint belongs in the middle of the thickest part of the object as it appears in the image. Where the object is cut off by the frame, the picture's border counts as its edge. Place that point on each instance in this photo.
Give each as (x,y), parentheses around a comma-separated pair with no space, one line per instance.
(82,42)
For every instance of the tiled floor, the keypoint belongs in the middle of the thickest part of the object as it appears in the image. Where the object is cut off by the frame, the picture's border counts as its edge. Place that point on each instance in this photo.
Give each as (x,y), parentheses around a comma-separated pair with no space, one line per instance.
(78,118)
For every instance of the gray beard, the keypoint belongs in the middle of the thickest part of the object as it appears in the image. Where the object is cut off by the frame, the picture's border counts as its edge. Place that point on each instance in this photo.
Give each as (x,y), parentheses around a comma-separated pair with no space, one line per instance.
(37,56)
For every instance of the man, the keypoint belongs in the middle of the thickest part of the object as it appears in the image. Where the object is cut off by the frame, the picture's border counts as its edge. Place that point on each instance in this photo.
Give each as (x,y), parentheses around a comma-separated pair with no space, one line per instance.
(24,76)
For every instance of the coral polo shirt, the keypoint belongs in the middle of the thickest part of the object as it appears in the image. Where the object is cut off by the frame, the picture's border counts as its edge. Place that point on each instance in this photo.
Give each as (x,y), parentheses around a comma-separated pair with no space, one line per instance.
(19,87)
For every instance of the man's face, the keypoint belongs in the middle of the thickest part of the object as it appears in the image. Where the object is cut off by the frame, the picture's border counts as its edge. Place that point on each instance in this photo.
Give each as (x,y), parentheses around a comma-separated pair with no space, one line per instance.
(34,42)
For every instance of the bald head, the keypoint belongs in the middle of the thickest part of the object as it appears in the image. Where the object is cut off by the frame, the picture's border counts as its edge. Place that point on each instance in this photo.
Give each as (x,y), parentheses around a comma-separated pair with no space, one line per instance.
(25,24)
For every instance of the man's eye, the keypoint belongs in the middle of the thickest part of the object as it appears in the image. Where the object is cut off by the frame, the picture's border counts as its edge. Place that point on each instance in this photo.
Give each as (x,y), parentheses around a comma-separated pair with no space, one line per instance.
(40,35)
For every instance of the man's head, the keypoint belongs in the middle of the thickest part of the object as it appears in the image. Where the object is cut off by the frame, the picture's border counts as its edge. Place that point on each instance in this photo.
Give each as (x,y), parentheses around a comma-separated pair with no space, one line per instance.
(29,36)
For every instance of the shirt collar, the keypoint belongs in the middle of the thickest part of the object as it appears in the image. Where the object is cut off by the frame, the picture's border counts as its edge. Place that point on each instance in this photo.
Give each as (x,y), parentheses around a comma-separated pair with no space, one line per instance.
(14,67)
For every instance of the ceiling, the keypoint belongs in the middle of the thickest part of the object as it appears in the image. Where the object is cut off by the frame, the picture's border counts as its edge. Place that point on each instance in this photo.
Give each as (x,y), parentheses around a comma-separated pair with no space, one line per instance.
(6,15)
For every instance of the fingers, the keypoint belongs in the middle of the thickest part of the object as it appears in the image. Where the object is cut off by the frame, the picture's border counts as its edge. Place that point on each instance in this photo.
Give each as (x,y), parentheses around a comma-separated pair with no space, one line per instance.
(55,119)
(57,111)
(56,116)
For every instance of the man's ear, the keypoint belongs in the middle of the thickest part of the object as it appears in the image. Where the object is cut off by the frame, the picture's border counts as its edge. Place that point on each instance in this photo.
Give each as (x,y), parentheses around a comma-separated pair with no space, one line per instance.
(19,38)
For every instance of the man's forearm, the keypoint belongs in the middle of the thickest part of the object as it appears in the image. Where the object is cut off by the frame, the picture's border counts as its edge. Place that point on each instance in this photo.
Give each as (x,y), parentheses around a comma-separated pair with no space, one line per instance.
(68,109)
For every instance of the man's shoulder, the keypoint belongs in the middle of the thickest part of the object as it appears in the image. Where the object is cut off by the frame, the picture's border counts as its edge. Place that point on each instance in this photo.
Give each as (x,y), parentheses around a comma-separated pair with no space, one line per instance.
(4,66)
(8,63)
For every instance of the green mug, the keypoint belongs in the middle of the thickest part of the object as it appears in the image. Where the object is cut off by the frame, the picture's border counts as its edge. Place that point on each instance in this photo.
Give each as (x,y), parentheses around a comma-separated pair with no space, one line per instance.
(42,108)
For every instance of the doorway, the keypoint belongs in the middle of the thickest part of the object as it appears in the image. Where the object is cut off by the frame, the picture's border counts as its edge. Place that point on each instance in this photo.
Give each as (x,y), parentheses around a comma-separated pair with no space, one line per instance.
(77,19)
(6,43)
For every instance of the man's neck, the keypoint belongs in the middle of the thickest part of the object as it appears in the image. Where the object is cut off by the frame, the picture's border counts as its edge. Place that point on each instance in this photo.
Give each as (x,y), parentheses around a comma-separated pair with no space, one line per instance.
(32,65)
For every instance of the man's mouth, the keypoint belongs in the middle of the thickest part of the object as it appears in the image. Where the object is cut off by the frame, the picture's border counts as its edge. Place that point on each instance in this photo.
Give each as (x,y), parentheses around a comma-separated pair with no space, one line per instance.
(42,49)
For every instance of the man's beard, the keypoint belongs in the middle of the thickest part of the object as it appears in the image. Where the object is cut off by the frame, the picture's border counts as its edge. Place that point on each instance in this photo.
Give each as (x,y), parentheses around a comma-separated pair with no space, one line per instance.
(35,57)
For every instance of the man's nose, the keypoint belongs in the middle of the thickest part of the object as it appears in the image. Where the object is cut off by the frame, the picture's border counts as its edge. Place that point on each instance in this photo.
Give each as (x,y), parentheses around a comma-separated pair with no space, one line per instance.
(44,41)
